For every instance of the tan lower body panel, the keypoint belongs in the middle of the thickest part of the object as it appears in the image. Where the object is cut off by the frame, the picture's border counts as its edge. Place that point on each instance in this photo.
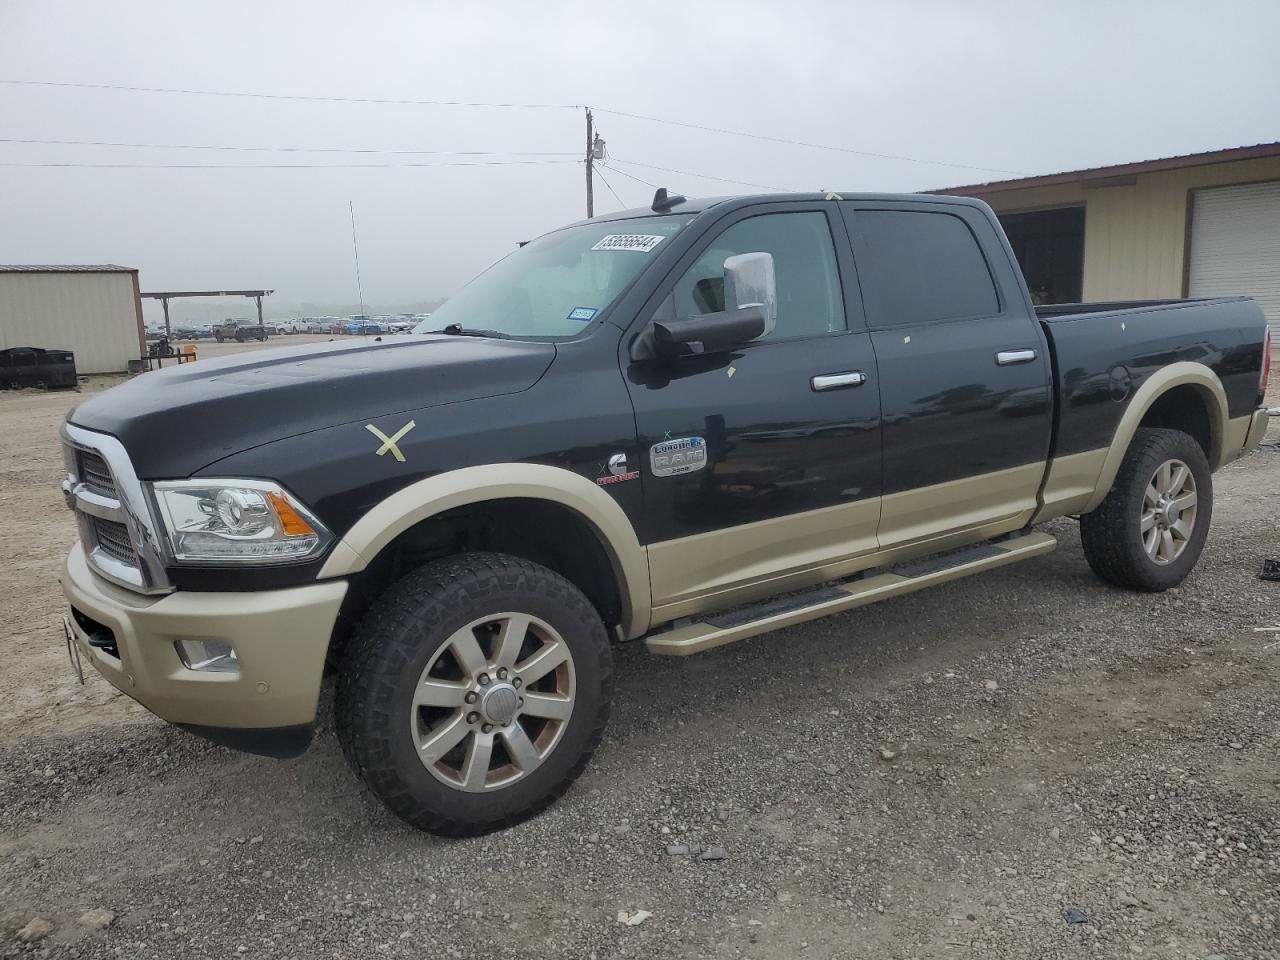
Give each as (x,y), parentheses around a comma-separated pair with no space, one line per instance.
(1244,434)
(1071,483)
(914,516)
(724,568)
(682,571)
(697,637)
(280,637)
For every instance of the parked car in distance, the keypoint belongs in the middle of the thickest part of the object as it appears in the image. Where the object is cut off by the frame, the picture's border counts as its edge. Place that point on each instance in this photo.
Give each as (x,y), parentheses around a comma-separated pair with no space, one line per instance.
(36,367)
(240,331)
(684,425)
(193,333)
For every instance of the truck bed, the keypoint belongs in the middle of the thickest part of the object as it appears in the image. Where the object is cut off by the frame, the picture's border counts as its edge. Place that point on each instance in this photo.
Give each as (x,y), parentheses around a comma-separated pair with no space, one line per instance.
(1103,352)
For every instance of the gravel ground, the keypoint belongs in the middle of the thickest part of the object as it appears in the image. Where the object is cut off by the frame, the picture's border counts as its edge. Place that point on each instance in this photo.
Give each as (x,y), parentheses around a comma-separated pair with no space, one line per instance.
(943,775)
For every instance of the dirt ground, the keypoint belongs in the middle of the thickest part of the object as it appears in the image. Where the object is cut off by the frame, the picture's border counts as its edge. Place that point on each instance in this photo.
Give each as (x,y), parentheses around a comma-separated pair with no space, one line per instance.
(943,775)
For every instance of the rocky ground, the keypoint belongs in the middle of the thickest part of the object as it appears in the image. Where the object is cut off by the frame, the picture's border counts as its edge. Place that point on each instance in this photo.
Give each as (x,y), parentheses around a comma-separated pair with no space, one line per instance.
(958,773)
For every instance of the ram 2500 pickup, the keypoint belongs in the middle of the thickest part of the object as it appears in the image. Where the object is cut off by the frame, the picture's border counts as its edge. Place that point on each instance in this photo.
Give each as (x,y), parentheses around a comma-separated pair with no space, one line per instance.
(689,424)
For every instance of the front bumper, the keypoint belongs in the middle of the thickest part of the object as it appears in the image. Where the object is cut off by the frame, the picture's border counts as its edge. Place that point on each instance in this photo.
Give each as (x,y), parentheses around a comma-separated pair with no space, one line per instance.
(280,637)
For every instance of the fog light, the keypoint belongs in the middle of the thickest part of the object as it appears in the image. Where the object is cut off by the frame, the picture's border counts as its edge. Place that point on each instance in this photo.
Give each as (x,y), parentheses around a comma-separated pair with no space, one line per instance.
(211,656)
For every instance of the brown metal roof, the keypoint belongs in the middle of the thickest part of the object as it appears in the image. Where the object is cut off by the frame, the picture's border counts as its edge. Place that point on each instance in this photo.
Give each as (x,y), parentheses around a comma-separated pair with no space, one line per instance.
(1092,175)
(65,268)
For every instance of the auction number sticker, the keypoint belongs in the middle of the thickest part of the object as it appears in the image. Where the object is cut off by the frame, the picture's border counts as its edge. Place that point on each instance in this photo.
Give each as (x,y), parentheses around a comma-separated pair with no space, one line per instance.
(639,242)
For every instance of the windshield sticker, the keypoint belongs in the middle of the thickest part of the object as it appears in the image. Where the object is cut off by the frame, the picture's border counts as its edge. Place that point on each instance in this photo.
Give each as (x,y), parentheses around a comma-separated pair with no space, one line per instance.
(639,242)
(582,313)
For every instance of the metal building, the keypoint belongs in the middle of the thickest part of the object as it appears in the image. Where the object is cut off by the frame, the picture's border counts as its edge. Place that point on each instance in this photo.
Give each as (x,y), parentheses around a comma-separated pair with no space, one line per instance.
(1201,225)
(94,311)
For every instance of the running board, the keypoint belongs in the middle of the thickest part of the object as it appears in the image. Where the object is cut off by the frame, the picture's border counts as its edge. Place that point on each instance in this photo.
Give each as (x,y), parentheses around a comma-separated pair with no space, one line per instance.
(742,622)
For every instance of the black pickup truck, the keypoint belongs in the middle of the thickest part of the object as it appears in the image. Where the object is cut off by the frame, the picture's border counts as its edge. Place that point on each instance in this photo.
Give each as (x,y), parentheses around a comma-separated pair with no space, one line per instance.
(690,424)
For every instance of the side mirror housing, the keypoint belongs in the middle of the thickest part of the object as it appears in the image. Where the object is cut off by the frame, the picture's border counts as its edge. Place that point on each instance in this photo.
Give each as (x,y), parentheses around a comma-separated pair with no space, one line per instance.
(751,310)
(749,281)
(714,331)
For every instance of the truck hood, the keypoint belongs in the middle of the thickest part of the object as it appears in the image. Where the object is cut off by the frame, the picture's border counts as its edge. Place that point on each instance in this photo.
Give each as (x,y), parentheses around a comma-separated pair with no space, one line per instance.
(176,420)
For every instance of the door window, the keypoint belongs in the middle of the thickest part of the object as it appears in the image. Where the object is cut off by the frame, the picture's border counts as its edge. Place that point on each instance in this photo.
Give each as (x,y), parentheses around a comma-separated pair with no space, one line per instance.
(804,263)
(920,267)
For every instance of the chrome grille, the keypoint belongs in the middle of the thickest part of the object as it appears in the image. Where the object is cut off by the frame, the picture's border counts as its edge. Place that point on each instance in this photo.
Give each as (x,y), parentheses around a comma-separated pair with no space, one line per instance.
(95,474)
(113,539)
(116,530)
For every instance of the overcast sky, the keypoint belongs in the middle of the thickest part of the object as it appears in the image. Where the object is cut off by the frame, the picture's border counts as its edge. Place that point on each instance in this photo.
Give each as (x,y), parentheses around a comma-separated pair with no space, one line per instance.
(1021,87)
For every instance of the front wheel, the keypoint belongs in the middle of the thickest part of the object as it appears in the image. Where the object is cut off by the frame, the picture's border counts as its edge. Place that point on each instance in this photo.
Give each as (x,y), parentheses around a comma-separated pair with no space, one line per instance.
(474,693)
(1149,531)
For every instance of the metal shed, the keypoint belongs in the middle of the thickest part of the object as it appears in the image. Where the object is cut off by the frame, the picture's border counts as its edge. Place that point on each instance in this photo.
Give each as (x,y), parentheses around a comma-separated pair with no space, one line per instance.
(94,311)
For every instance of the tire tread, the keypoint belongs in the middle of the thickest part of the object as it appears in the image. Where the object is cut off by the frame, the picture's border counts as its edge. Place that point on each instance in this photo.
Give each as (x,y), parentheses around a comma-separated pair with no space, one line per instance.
(390,634)
(1106,533)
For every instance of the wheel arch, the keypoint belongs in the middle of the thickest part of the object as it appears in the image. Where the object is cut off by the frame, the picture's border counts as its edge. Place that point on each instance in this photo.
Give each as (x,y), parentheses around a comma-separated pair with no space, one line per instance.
(1182,381)
(428,499)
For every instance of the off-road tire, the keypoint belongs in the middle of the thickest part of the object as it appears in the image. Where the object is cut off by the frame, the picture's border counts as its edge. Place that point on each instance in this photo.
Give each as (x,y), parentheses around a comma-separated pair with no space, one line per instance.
(1111,534)
(388,651)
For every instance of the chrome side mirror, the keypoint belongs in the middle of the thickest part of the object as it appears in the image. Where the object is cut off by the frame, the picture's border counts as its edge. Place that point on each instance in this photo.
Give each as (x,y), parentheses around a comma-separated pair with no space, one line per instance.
(749,281)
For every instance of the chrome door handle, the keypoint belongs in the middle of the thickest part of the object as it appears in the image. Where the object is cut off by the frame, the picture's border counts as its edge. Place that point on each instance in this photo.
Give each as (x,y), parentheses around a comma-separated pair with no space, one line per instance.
(834,381)
(1006,357)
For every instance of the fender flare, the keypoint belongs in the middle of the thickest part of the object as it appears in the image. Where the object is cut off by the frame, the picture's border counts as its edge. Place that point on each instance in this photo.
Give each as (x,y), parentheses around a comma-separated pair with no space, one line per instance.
(1155,386)
(427,498)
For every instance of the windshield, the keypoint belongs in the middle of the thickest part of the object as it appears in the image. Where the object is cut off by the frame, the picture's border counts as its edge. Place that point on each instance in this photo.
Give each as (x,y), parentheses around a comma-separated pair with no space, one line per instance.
(555,285)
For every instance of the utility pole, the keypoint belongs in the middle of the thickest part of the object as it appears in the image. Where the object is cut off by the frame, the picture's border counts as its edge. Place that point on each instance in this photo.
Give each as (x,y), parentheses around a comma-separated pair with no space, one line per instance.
(355,249)
(591,146)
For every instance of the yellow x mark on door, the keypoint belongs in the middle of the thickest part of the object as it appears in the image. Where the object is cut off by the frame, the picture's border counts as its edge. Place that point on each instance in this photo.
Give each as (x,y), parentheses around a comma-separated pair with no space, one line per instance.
(389,443)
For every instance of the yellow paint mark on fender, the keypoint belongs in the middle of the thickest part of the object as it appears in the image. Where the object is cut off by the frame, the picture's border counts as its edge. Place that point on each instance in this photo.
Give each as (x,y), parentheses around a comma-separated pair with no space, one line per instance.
(389,443)
(731,371)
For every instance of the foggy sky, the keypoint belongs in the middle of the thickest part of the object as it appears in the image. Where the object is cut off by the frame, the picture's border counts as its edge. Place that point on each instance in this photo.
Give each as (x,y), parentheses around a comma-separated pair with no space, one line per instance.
(1025,87)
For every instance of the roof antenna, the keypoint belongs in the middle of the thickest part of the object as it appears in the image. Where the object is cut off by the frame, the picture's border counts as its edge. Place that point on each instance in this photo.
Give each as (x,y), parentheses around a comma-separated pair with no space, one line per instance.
(662,203)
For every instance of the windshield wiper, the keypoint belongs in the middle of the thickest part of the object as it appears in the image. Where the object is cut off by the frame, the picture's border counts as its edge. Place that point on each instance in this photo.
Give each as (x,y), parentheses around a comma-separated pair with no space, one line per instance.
(457,330)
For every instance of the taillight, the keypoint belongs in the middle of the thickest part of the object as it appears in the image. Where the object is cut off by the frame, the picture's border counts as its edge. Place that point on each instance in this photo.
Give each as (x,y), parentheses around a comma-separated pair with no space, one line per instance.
(1266,365)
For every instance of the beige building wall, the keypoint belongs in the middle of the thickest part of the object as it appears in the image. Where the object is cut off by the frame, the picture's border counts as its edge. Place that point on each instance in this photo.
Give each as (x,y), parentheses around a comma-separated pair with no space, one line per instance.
(1135,235)
(93,314)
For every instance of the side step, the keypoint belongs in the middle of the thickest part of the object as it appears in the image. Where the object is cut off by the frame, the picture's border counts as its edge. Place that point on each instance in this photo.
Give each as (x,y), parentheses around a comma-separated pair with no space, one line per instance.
(742,622)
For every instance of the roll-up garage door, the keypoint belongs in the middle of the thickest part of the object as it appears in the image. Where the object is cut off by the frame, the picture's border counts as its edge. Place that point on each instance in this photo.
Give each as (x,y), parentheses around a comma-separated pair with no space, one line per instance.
(1235,245)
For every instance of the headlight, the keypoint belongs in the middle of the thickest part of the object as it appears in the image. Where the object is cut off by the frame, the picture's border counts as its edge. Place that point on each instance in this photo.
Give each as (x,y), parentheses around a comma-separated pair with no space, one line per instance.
(244,521)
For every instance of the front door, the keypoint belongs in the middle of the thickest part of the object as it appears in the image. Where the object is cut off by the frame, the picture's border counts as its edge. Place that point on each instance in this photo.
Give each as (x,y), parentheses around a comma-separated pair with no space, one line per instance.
(965,383)
(756,471)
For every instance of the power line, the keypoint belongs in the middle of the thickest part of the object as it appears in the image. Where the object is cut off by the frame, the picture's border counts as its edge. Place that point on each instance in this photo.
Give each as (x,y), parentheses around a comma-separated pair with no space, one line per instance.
(532,106)
(285,96)
(704,176)
(803,143)
(630,176)
(291,166)
(368,150)
(610,186)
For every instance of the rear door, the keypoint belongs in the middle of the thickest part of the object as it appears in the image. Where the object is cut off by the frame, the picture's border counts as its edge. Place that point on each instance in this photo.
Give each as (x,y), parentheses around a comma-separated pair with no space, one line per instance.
(754,467)
(964,374)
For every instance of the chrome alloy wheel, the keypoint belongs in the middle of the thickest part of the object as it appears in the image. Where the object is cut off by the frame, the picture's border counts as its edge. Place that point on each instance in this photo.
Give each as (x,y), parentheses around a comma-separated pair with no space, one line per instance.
(493,702)
(1168,511)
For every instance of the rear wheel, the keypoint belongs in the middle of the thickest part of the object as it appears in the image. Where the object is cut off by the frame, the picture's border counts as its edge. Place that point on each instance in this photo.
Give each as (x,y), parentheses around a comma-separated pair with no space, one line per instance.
(474,693)
(1149,531)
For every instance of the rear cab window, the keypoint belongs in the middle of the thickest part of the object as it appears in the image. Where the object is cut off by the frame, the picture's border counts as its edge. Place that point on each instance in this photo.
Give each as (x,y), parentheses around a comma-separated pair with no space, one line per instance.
(920,267)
